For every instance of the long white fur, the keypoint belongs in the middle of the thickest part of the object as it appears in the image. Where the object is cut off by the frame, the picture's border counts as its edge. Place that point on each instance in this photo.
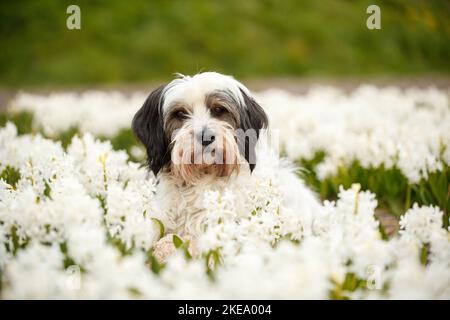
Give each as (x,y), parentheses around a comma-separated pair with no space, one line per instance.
(183,205)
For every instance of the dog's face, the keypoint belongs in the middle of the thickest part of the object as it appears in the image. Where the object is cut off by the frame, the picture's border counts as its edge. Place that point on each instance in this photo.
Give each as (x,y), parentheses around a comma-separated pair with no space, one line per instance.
(207,124)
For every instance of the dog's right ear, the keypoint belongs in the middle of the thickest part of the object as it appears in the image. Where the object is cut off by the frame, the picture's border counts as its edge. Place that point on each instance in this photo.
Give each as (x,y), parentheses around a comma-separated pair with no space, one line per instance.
(149,129)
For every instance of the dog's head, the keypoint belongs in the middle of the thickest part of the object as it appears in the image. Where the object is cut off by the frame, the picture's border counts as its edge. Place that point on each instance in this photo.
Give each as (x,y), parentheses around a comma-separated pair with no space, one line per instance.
(205,124)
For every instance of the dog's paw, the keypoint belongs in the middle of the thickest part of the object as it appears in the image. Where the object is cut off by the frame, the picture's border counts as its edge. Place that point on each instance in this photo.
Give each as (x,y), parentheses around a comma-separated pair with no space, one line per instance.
(165,247)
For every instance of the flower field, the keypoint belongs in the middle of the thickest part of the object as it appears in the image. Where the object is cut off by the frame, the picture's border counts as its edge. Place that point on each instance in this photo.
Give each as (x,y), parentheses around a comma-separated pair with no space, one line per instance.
(78,216)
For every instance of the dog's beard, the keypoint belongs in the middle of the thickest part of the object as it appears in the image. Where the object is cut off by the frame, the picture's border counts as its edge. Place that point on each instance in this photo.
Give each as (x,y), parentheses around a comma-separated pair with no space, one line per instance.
(191,161)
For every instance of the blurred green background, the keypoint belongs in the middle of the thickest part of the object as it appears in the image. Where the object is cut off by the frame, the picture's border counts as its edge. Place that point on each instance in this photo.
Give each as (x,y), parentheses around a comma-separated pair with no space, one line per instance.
(140,40)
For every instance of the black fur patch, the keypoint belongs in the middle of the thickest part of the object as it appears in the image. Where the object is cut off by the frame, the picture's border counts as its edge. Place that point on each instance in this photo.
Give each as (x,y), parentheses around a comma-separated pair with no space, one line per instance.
(252,117)
(148,127)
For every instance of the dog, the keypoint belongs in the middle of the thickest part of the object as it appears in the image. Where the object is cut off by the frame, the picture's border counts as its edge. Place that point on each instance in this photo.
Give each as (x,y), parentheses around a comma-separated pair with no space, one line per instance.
(207,132)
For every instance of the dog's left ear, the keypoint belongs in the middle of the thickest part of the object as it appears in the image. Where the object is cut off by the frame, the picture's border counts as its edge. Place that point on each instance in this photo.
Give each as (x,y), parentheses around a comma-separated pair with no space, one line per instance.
(253,119)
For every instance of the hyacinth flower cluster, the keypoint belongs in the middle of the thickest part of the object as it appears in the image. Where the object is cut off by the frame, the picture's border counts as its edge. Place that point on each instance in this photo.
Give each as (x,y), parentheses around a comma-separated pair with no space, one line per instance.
(78,219)
(394,142)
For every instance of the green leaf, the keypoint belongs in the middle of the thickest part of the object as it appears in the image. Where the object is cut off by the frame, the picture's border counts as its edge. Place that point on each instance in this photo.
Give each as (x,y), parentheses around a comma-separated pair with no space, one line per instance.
(185,248)
(155,265)
(161,227)
(10,175)
(424,254)
(47,190)
(177,241)
(382,231)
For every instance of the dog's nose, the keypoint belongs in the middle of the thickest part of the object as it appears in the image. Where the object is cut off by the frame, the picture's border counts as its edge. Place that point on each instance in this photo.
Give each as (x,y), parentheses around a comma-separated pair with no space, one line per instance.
(208,142)
(206,137)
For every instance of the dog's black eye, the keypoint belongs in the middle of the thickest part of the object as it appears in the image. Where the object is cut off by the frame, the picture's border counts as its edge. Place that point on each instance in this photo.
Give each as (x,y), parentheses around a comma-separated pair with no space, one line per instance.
(218,110)
(180,114)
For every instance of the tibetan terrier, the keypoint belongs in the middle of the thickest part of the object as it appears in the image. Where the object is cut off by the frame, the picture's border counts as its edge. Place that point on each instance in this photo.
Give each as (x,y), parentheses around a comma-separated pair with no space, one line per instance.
(207,132)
